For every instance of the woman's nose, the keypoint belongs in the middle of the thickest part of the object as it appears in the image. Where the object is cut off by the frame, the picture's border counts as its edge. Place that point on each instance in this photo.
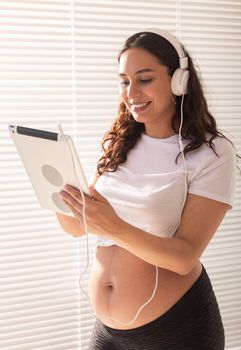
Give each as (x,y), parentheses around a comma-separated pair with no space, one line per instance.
(132,91)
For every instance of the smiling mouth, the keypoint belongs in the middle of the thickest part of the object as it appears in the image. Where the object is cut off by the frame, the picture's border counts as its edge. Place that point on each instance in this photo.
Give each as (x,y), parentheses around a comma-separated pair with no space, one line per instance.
(140,107)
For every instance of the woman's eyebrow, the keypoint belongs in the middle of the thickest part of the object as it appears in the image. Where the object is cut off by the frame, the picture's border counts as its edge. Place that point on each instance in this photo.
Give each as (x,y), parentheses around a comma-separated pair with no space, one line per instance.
(139,71)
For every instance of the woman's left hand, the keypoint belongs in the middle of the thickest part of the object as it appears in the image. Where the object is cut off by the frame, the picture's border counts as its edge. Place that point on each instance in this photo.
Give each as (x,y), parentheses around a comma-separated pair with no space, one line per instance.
(101,218)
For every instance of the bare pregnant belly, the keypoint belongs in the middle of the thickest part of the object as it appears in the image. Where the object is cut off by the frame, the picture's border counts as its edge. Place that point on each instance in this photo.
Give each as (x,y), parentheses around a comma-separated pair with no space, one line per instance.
(120,283)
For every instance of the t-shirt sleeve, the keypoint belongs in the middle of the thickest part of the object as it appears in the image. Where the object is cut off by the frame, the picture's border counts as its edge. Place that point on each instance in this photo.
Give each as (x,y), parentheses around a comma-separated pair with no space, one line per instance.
(215,177)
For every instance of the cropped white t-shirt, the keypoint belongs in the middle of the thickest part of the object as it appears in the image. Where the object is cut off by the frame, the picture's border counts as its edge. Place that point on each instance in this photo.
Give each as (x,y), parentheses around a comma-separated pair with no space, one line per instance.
(148,190)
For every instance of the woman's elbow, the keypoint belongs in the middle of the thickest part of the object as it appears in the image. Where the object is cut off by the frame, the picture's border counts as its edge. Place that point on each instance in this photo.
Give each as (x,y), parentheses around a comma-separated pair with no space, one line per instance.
(187,261)
(188,265)
(186,268)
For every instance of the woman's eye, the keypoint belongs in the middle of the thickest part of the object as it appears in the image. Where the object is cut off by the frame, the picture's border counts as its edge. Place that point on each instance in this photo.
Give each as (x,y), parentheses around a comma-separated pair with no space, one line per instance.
(124,83)
(142,81)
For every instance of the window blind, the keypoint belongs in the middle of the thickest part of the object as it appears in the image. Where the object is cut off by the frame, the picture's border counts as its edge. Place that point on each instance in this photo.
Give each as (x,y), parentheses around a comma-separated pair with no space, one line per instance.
(58,63)
(39,264)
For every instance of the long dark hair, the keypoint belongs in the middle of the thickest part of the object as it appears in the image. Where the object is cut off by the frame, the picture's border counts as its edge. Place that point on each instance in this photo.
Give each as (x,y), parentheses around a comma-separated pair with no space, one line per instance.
(197,121)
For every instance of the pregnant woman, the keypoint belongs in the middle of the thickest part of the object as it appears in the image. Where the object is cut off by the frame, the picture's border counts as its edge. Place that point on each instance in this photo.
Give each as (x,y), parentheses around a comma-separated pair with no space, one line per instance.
(164,182)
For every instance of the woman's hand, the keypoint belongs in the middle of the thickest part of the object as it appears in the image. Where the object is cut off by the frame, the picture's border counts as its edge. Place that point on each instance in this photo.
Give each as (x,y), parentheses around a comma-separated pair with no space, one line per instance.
(101,219)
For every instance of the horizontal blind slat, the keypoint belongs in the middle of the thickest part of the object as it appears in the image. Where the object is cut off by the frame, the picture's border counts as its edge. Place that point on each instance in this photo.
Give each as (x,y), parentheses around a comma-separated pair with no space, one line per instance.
(37,89)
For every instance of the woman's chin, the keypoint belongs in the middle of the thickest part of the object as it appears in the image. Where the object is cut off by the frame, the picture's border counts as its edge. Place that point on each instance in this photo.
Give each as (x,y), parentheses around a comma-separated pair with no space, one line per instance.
(139,118)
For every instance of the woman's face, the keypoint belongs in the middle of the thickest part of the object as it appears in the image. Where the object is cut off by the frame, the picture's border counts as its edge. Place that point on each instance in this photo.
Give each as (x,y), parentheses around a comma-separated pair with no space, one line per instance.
(145,88)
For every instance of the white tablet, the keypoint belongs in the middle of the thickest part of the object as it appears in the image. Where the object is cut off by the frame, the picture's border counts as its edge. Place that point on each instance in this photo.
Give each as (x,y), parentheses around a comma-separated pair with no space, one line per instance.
(51,161)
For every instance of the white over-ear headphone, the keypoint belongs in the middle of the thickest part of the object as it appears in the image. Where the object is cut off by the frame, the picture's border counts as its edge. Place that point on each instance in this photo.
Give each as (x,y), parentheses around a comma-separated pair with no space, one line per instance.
(180,76)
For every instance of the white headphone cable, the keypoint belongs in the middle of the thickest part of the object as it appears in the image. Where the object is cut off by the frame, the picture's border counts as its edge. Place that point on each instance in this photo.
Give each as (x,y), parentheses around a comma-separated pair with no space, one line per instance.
(87,241)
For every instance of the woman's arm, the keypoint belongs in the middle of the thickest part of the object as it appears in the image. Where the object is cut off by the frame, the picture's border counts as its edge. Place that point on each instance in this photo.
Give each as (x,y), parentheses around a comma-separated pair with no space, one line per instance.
(200,220)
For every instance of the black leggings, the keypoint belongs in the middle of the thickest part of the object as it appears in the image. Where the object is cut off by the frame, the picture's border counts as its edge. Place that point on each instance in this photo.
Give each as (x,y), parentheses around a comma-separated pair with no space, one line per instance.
(193,323)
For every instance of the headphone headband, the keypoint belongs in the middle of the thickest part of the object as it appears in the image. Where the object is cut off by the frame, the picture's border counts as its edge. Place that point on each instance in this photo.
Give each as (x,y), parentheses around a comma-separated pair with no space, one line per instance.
(183,59)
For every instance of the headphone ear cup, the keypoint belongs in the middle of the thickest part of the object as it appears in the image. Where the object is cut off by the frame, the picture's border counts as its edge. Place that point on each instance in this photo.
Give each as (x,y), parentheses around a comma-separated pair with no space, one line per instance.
(179,82)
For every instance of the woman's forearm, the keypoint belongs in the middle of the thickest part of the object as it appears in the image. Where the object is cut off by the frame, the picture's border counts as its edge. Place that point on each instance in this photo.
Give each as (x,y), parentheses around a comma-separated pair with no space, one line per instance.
(168,253)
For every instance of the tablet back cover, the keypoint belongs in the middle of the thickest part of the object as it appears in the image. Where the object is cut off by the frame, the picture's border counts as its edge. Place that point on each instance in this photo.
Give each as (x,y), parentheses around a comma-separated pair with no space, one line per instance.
(49,165)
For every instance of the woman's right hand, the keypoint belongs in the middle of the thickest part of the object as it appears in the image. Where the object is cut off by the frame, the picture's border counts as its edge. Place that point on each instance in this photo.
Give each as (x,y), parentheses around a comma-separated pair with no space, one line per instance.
(71,224)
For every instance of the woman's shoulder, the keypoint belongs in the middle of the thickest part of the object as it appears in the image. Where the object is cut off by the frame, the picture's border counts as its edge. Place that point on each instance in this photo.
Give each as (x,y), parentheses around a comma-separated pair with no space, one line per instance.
(223,146)
(213,174)
(219,146)
(222,153)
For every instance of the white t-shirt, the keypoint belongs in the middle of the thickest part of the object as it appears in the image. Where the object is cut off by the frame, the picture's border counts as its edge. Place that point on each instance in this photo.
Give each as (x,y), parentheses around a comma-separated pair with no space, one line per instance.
(148,190)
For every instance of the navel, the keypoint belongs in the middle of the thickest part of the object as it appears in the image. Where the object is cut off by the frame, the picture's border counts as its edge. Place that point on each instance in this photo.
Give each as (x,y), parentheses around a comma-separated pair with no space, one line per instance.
(109,286)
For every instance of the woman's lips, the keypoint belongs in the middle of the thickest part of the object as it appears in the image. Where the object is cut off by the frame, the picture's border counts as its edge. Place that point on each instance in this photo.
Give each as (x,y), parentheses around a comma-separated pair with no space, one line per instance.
(140,107)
